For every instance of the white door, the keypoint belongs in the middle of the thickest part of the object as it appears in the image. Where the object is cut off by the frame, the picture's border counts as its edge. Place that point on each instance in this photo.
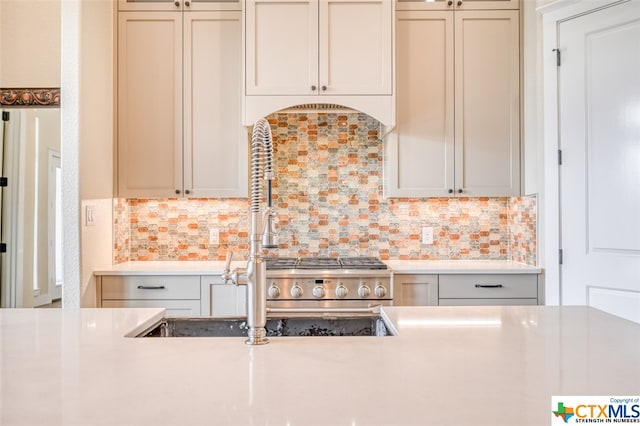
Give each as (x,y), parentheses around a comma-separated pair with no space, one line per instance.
(599,90)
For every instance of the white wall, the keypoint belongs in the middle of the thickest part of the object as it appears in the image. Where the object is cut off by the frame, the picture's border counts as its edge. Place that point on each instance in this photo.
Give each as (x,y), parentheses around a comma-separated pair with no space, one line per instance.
(30,43)
(88,74)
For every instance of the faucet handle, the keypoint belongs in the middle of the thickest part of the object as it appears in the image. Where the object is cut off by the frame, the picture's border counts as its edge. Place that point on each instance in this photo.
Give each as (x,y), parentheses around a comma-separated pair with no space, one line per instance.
(226,275)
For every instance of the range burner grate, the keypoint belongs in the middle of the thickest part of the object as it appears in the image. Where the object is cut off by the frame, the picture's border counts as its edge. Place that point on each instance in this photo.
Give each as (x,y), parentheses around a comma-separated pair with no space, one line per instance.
(310,263)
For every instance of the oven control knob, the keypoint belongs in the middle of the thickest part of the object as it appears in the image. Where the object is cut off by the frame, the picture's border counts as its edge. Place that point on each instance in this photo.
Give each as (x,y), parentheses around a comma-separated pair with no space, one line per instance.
(380,291)
(318,292)
(364,291)
(341,291)
(273,292)
(296,291)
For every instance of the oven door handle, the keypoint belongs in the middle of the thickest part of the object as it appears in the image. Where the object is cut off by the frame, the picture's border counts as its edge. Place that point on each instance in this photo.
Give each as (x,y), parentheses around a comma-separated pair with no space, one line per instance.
(370,310)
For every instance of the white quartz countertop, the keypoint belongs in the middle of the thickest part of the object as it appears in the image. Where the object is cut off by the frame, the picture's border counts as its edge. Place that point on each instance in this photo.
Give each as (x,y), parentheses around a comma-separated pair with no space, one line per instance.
(448,366)
(397,266)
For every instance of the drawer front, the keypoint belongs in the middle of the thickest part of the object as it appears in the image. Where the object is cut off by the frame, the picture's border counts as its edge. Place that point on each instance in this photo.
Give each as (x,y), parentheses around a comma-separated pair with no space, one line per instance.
(173,308)
(496,286)
(150,287)
(487,302)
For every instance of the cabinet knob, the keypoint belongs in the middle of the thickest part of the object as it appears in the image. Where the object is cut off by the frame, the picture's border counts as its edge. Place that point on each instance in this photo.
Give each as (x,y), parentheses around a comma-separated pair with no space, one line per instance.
(177,191)
(313,88)
(460,191)
(186,191)
(450,191)
(459,3)
(450,2)
(177,4)
(186,3)
(324,88)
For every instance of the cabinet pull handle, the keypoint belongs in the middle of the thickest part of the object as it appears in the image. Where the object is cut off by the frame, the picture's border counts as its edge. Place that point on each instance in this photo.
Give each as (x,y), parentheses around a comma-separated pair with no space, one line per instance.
(150,287)
(488,285)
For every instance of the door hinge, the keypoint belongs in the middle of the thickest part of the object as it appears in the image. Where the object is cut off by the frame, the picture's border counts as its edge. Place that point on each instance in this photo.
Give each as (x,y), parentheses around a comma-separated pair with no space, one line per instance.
(558,61)
(560,157)
(560,257)
(3,248)
(5,115)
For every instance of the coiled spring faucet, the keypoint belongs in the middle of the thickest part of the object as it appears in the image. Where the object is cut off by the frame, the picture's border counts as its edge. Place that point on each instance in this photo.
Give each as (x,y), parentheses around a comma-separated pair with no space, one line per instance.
(262,234)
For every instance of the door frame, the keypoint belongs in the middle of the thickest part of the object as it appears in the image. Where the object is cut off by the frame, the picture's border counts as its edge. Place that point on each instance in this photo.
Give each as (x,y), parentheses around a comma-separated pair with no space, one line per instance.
(552,16)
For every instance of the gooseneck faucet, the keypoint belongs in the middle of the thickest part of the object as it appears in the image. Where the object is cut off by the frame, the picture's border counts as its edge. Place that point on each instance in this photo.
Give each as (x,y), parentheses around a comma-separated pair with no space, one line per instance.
(262,234)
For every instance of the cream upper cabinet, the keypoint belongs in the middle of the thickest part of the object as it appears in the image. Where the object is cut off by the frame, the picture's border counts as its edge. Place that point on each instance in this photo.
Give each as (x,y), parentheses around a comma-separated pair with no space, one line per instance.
(319,47)
(456,4)
(149,104)
(178,5)
(179,112)
(458,114)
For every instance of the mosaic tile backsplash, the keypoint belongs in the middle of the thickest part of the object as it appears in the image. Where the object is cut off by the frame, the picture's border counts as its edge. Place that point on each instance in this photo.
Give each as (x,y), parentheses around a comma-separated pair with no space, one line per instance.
(329,198)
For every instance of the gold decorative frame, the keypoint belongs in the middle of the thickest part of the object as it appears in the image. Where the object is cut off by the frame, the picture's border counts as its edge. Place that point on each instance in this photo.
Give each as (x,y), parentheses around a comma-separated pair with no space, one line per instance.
(29,97)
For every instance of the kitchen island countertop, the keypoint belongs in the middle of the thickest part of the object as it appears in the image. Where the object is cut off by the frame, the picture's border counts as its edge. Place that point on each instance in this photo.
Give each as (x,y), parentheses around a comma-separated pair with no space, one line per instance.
(447,366)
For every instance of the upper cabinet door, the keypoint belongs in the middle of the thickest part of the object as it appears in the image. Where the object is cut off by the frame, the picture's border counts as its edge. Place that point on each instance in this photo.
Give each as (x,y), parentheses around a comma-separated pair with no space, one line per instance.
(457,4)
(281,47)
(487,103)
(176,5)
(215,142)
(149,104)
(420,149)
(356,47)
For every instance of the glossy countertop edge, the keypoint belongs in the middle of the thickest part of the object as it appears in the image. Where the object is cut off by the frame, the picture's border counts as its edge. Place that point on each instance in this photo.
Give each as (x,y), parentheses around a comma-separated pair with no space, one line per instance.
(397,266)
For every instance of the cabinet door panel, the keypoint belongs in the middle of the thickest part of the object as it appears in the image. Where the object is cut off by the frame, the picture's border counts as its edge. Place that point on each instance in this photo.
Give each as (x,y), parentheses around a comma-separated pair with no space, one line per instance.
(415,290)
(150,287)
(488,286)
(420,149)
(355,47)
(487,99)
(215,143)
(281,47)
(149,104)
(228,300)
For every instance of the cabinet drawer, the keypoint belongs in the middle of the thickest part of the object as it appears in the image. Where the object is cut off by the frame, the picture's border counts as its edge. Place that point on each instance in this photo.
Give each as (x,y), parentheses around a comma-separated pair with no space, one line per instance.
(173,308)
(487,302)
(497,286)
(150,287)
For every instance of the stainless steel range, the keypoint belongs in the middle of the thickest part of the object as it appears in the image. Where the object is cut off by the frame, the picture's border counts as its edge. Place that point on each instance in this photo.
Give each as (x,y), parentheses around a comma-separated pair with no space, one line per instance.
(327,284)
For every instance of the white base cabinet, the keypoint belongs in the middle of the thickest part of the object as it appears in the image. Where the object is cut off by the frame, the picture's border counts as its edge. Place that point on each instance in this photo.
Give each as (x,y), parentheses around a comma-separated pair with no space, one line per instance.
(225,299)
(179,295)
(415,290)
(467,289)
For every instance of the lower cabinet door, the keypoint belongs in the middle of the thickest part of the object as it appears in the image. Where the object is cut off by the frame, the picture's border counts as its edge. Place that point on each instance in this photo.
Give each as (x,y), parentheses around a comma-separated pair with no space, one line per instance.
(173,308)
(415,290)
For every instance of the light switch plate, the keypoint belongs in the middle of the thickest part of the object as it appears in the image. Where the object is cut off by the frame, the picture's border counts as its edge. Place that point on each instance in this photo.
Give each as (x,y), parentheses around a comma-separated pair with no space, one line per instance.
(427,235)
(90,215)
(214,236)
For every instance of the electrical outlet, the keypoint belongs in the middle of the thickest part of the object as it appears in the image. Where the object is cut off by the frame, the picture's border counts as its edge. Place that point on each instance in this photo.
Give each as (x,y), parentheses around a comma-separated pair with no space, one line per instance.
(214,236)
(427,235)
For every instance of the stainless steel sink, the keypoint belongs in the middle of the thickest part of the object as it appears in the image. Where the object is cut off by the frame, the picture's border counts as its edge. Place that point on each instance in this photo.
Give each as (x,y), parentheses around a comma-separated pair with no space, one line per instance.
(369,325)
